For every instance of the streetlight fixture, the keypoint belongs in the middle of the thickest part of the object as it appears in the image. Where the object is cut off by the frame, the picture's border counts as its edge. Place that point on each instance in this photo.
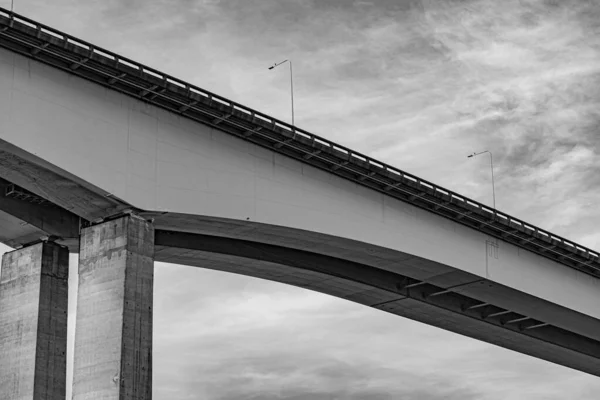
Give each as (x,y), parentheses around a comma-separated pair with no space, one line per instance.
(492,168)
(291,83)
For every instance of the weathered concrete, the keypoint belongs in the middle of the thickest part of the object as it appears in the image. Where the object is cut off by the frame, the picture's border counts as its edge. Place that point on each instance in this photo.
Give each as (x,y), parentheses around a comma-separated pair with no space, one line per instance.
(33,323)
(113,339)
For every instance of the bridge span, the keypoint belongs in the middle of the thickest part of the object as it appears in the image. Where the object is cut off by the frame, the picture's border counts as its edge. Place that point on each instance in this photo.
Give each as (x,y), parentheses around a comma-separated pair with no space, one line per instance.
(126,165)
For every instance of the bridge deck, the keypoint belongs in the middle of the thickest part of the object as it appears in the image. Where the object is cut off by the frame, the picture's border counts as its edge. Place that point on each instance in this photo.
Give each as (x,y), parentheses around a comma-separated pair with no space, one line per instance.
(104,67)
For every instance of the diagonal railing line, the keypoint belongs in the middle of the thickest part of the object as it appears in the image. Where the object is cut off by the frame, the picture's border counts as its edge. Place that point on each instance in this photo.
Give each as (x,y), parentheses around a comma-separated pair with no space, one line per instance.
(363,169)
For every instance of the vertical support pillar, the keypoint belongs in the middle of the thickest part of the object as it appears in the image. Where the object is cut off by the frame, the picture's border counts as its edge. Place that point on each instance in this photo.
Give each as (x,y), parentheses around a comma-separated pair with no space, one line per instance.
(113,333)
(33,323)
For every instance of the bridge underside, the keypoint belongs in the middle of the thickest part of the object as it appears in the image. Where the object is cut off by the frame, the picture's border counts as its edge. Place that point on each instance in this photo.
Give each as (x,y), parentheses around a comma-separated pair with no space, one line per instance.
(40,202)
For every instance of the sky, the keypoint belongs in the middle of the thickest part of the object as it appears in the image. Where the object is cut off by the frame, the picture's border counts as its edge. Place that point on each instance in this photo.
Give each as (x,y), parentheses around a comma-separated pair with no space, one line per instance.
(416,84)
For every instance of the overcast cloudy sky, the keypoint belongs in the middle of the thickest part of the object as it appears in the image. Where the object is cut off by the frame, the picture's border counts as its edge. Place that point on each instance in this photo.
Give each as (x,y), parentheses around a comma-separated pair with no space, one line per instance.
(417,84)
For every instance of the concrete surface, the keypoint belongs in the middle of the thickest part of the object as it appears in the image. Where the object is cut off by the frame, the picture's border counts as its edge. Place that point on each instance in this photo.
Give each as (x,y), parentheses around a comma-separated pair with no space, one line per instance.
(33,327)
(162,162)
(113,338)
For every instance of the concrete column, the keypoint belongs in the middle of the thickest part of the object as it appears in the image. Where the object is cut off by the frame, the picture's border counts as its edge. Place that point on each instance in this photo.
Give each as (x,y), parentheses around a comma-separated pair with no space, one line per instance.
(113,333)
(33,323)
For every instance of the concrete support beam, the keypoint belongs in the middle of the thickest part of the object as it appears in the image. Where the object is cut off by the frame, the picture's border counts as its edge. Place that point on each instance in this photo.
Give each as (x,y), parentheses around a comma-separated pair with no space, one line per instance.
(33,323)
(38,220)
(113,338)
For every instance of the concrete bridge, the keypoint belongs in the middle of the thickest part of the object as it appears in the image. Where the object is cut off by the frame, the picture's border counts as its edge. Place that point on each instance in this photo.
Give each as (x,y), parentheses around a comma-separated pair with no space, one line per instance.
(125,165)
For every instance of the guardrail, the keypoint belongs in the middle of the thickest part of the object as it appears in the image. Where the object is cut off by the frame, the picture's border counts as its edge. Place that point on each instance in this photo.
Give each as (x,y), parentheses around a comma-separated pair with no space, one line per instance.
(50,46)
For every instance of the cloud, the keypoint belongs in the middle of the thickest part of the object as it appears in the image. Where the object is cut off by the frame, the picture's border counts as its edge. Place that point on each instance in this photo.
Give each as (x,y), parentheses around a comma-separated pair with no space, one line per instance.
(276,342)
(256,378)
(250,338)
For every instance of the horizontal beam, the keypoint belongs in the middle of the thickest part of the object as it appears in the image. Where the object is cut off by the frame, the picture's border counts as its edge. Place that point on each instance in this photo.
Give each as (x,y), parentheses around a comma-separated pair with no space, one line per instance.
(45,216)
(57,187)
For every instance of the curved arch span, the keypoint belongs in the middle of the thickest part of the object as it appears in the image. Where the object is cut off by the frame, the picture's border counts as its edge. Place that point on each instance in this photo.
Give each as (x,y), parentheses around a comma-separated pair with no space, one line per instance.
(432,301)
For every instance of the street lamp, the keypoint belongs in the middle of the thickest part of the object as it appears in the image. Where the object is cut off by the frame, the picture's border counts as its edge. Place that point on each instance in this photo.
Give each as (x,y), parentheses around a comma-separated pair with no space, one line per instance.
(492,168)
(291,83)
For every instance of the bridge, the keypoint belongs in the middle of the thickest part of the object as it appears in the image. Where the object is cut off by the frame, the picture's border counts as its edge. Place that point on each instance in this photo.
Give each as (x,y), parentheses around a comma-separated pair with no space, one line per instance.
(125,165)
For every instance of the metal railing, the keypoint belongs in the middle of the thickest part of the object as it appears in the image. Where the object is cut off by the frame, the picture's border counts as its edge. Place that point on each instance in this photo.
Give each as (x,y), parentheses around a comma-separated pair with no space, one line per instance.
(50,46)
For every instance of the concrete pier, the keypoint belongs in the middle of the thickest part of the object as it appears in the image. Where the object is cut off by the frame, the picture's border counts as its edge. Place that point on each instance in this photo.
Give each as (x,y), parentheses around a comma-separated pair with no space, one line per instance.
(113,339)
(33,323)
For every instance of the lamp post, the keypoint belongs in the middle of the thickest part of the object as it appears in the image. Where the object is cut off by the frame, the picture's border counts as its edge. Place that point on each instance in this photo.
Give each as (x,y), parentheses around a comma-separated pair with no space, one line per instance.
(291,83)
(492,168)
